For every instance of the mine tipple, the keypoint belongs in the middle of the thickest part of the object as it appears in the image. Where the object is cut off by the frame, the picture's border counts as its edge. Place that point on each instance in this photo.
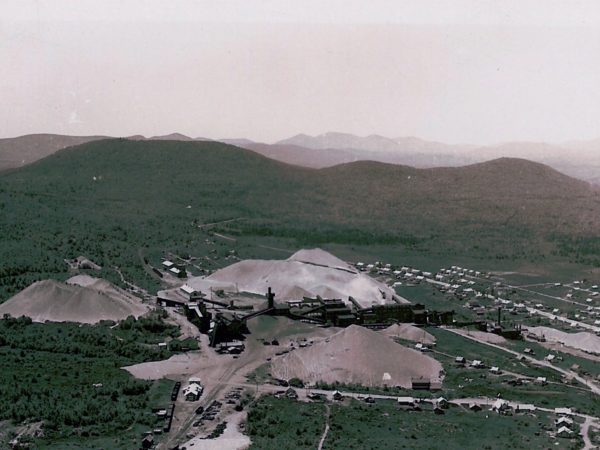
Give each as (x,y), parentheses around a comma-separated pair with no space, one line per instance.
(225,322)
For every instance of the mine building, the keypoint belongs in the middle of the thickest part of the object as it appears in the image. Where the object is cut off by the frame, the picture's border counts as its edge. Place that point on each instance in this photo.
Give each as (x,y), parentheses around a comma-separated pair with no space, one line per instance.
(227,326)
(421,383)
(171,299)
(197,313)
(192,294)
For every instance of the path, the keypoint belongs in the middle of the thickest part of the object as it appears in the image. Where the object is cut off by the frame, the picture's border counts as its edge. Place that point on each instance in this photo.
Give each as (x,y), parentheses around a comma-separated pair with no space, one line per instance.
(564,319)
(585,427)
(205,225)
(324,436)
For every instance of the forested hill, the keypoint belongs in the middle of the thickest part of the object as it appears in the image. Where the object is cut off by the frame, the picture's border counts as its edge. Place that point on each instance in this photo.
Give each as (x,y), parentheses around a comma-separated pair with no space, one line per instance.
(23,150)
(108,198)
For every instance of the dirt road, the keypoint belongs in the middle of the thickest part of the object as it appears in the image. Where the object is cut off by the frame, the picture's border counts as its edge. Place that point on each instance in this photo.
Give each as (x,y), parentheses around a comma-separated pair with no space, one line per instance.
(542,363)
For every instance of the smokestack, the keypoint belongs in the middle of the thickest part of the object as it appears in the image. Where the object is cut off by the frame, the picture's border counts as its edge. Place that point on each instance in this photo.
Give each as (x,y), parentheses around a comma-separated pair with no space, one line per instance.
(270,299)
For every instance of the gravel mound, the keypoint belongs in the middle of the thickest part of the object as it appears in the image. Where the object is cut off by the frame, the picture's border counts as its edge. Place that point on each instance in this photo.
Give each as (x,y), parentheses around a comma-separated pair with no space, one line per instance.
(408,332)
(82,299)
(306,273)
(357,355)
(585,341)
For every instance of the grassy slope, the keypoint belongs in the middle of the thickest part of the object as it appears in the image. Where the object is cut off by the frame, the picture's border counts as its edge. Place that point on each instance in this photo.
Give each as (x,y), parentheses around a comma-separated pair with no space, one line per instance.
(281,423)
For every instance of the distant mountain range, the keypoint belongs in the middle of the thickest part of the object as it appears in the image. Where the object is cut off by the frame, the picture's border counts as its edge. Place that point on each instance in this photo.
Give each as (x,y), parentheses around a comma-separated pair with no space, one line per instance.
(580,159)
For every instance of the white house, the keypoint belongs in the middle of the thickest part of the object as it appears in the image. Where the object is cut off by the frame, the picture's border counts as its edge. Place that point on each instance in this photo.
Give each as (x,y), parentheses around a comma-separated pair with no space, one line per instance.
(564,432)
(192,392)
(500,406)
(564,421)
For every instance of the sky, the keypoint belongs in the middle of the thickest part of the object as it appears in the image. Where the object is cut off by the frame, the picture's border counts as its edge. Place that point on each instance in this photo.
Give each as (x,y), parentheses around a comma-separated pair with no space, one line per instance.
(462,71)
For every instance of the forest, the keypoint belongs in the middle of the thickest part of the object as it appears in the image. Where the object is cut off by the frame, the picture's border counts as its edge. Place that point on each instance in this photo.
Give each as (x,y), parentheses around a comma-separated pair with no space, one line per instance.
(68,375)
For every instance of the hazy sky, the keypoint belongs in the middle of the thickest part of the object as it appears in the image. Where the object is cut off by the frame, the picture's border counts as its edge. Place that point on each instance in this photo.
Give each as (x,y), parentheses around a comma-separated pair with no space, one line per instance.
(455,71)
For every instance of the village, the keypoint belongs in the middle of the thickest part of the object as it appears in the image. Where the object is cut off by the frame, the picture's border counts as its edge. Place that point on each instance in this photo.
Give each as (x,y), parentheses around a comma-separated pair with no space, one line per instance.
(480,307)
(457,343)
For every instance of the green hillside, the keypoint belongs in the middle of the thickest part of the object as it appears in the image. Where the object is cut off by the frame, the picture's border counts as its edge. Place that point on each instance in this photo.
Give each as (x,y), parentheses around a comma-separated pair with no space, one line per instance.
(113,200)
(23,150)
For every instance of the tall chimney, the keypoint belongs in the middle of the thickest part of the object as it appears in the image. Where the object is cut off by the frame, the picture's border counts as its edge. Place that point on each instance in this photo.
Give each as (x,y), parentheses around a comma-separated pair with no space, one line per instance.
(270,299)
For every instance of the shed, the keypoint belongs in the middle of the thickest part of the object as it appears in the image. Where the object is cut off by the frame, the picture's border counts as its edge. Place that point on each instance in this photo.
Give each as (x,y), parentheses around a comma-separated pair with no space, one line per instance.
(563,411)
(406,401)
(525,407)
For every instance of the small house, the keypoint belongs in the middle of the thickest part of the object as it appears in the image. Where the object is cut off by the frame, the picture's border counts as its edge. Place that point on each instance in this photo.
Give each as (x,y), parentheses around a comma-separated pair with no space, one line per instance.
(192,392)
(541,380)
(195,380)
(148,441)
(564,422)
(337,396)
(525,407)
(500,406)
(563,411)
(460,360)
(437,410)
(291,394)
(477,364)
(421,383)
(564,432)
(168,264)
(442,402)
(406,401)
(177,272)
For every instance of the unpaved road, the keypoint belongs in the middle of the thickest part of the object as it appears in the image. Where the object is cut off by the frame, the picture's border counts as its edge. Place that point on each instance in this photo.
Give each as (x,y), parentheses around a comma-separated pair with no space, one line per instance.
(220,372)
(324,436)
